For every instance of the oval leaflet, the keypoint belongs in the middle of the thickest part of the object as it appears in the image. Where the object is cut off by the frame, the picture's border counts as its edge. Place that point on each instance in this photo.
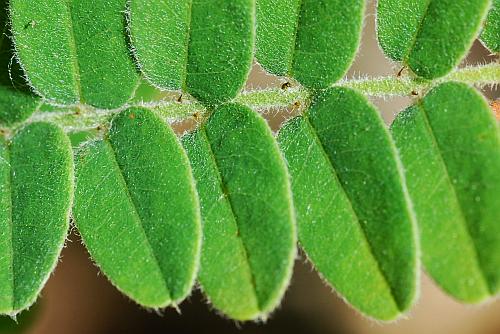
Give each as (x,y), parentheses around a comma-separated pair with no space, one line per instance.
(450,146)
(249,225)
(74,51)
(354,217)
(312,41)
(137,211)
(36,191)
(208,56)
(431,37)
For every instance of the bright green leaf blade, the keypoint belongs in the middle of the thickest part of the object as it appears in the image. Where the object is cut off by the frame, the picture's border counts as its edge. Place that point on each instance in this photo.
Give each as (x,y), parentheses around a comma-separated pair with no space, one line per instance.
(79,138)
(353,213)
(220,50)
(75,51)
(429,36)
(16,105)
(36,175)
(16,101)
(6,260)
(203,47)
(277,23)
(137,211)
(312,41)
(491,32)
(450,146)
(159,32)
(249,232)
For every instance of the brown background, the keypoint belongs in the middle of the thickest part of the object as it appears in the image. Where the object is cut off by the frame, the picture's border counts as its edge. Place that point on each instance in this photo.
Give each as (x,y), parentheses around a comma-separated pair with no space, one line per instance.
(77,299)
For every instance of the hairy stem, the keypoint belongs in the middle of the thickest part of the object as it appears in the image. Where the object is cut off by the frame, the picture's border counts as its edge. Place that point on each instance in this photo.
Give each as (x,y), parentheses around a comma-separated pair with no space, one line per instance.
(82,117)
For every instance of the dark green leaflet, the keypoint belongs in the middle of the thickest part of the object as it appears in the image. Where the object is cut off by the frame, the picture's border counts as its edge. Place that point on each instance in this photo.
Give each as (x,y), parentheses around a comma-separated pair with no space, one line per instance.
(202,47)
(137,211)
(22,322)
(75,51)
(313,41)
(450,146)
(429,36)
(36,190)
(16,101)
(491,32)
(354,217)
(249,227)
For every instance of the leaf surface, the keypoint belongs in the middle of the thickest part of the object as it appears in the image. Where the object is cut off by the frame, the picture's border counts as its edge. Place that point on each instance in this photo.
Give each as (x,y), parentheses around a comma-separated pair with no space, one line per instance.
(36,190)
(202,47)
(354,217)
(491,31)
(248,221)
(75,51)
(313,41)
(137,211)
(429,36)
(450,146)
(17,103)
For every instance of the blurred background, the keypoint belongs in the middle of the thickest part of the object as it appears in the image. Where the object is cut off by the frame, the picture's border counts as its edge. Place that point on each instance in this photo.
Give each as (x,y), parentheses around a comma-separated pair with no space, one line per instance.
(79,300)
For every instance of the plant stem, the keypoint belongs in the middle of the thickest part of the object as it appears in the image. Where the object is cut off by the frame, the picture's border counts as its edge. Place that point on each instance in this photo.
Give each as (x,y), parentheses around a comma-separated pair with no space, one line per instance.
(479,76)
(83,117)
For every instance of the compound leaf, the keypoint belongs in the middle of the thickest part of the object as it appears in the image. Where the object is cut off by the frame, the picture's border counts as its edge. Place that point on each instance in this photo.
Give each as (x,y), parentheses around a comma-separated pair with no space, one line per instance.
(354,217)
(429,36)
(313,41)
(75,51)
(202,47)
(249,232)
(491,32)
(450,146)
(137,211)
(36,190)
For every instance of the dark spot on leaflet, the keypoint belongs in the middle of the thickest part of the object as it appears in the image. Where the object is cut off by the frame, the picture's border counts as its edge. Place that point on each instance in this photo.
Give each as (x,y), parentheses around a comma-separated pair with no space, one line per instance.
(400,72)
(31,24)
(286,85)
(197,116)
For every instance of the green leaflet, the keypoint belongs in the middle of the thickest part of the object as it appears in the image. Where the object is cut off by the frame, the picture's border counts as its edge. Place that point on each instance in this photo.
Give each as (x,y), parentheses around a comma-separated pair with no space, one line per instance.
(137,211)
(16,101)
(249,225)
(450,146)
(313,41)
(81,137)
(75,51)
(202,47)
(491,32)
(429,36)
(36,190)
(354,217)
(22,322)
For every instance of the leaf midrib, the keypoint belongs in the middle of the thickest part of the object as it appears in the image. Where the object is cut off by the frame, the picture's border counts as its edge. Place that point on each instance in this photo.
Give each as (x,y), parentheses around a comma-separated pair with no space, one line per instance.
(11,172)
(408,52)
(463,220)
(122,180)
(291,61)
(74,49)
(235,218)
(187,47)
(344,192)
